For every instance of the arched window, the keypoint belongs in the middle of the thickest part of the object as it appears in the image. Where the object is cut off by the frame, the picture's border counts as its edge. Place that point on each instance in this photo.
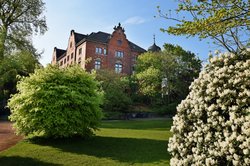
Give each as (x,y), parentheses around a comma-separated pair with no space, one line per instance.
(118,67)
(97,64)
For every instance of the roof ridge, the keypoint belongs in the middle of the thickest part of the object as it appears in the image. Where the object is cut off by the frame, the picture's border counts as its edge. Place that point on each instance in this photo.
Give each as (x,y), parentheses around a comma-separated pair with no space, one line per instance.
(104,32)
(79,33)
(60,49)
(142,49)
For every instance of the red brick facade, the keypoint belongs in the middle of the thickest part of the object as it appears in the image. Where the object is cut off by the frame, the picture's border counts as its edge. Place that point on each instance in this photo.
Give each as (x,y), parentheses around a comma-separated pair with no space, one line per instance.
(99,51)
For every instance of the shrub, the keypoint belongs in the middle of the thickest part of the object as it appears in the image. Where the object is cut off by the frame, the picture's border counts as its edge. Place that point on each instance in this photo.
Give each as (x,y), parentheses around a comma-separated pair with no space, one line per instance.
(56,102)
(169,109)
(115,85)
(212,125)
(112,115)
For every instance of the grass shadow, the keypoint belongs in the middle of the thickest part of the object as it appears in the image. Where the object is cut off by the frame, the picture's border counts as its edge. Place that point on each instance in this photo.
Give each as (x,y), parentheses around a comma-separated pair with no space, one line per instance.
(128,150)
(139,124)
(22,161)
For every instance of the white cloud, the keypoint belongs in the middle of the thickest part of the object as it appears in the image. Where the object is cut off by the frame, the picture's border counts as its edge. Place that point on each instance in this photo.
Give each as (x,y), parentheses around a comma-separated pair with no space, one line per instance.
(134,20)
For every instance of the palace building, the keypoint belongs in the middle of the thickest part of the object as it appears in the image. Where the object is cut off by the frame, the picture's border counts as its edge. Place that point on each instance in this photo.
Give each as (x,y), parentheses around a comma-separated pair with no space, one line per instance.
(99,50)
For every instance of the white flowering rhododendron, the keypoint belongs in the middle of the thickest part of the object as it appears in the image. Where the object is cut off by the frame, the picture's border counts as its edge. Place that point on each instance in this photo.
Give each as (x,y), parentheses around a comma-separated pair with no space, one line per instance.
(212,125)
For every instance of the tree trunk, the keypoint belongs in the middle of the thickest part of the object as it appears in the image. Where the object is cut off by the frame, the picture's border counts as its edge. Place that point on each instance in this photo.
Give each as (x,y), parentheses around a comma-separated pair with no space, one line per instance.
(3,36)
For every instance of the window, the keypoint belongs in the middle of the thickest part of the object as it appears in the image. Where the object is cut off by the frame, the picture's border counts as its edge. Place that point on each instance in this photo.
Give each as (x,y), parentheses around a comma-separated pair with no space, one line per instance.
(64,60)
(119,42)
(79,60)
(61,63)
(97,64)
(72,56)
(134,58)
(70,45)
(68,58)
(119,54)
(98,50)
(118,67)
(105,51)
(80,51)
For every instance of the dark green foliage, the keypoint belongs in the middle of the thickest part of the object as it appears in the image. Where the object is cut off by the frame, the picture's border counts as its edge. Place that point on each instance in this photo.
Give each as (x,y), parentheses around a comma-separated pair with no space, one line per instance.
(116,88)
(113,115)
(56,102)
(186,67)
(21,63)
(169,109)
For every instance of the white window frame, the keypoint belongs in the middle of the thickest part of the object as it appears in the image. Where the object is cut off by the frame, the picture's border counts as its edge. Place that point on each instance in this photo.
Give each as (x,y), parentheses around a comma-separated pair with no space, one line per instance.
(118,67)
(98,50)
(98,63)
(119,54)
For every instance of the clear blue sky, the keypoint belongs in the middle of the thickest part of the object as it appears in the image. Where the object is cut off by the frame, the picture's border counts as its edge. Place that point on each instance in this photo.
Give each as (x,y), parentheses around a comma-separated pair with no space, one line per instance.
(136,16)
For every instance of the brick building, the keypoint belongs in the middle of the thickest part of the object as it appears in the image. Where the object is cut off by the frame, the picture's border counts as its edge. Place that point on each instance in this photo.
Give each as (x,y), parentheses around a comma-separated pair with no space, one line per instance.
(99,51)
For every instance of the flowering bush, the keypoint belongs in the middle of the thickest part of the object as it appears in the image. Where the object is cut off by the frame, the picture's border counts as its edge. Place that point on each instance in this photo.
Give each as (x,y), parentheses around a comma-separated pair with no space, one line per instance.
(212,125)
(57,103)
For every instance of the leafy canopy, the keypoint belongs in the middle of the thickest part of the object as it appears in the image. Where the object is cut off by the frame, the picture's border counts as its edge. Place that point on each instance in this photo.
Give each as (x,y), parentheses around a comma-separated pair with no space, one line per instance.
(57,102)
(19,19)
(114,85)
(226,22)
(20,63)
(167,73)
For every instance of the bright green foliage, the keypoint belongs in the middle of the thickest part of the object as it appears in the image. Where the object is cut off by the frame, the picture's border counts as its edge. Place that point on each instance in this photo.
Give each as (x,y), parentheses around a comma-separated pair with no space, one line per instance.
(227,22)
(115,86)
(149,73)
(56,102)
(149,81)
(168,73)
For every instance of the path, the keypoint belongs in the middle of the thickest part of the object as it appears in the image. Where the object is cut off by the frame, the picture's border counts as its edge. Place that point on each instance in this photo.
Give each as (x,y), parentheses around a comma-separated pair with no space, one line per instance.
(7,135)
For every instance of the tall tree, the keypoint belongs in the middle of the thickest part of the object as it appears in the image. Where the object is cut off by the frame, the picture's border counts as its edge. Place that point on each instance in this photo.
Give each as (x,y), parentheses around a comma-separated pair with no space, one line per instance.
(21,63)
(226,22)
(115,87)
(168,73)
(149,73)
(19,19)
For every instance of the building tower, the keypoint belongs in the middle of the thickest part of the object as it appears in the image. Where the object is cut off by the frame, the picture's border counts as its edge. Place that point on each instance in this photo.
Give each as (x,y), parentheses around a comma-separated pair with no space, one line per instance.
(154,47)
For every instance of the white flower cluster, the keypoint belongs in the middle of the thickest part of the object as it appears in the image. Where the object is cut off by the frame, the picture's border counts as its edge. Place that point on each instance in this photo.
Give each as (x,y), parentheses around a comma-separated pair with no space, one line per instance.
(212,125)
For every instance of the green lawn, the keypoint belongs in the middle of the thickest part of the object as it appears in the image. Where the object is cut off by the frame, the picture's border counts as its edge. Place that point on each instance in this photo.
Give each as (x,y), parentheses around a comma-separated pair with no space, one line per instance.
(142,142)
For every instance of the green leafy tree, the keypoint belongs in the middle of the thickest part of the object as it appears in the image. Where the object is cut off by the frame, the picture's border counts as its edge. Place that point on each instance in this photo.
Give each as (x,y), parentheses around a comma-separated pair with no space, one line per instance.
(167,74)
(115,86)
(226,22)
(185,67)
(19,64)
(148,73)
(19,19)
(57,103)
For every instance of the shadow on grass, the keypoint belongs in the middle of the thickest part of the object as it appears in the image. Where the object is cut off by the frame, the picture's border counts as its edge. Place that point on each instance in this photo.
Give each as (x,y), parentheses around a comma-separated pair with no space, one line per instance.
(164,124)
(22,161)
(129,150)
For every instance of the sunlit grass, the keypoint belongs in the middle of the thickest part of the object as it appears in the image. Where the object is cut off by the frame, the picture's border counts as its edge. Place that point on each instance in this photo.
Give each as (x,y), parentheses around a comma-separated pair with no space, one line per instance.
(116,143)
